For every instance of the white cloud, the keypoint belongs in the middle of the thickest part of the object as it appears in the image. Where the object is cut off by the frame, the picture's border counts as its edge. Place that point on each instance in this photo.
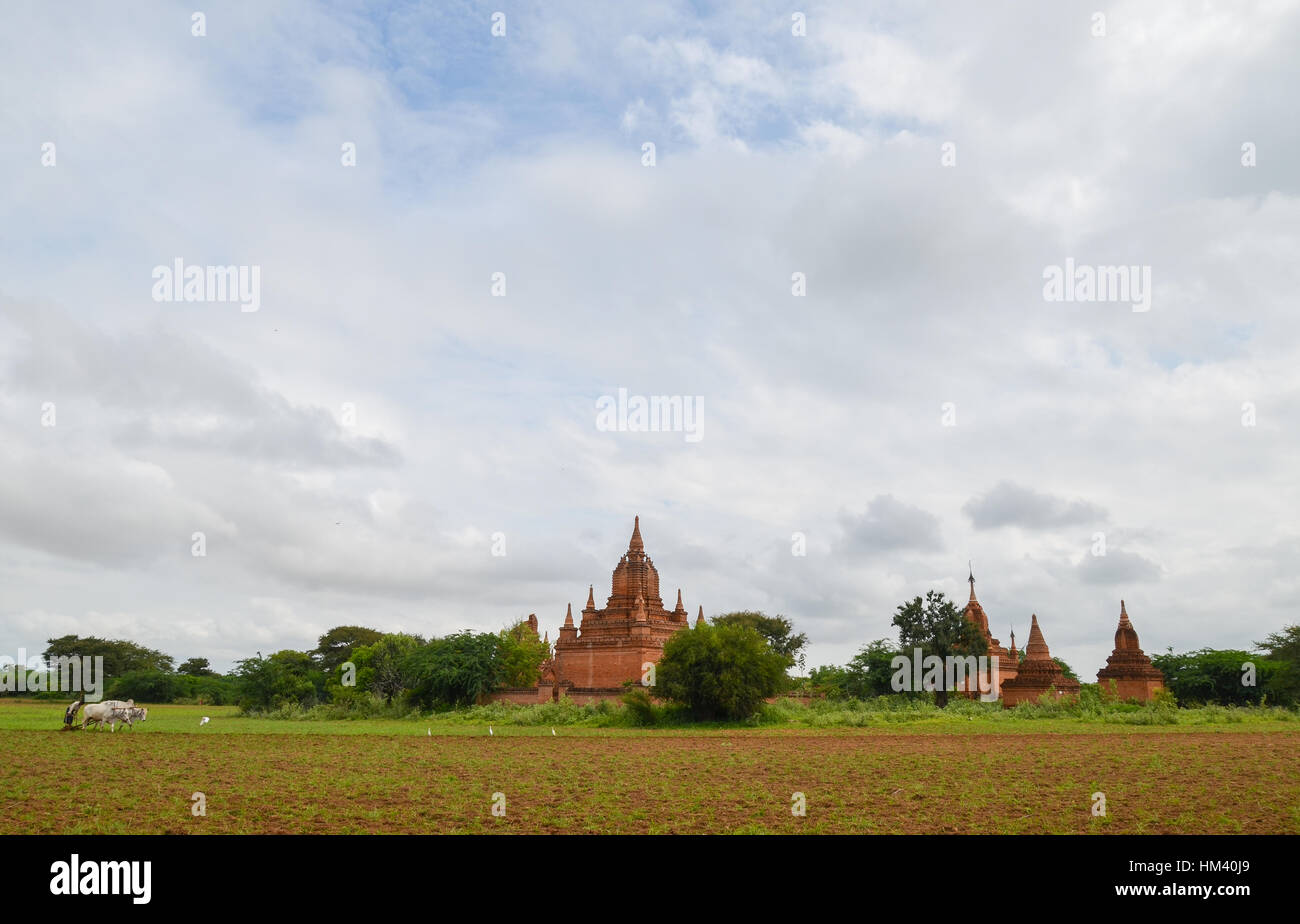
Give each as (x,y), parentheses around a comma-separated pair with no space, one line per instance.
(476,414)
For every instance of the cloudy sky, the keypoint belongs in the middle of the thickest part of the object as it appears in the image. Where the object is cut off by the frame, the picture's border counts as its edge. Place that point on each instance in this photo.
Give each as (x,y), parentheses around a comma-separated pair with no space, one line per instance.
(920,406)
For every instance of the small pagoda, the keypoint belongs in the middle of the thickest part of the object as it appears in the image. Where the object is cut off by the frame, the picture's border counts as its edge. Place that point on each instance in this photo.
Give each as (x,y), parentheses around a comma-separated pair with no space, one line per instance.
(1038,673)
(1129,673)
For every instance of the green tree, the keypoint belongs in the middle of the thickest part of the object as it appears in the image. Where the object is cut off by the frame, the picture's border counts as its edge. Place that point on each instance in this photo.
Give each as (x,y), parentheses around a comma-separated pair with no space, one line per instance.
(146,686)
(937,628)
(778,631)
(829,680)
(119,656)
(521,654)
(1284,649)
(720,671)
(382,668)
(197,667)
(870,671)
(284,678)
(337,645)
(1216,676)
(1066,669)
(456,670)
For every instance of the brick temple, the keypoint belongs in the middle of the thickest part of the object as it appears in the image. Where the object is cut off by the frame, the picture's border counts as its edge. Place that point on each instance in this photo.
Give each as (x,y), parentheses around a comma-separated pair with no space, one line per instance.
(1128,667)
(610,645)
(1038,673)
(1008,661)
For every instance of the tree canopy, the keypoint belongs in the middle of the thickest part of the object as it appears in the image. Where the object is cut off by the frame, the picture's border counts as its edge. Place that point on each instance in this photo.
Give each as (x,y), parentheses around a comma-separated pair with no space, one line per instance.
(337,645)
(720,671)
(455,670)
(936,627)
(197,667)
(1220,676)
(778,631)
(119,656)
(521,654)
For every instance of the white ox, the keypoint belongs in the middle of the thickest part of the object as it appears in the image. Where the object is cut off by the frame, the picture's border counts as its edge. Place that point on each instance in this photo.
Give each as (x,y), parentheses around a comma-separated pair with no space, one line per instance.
(113,711)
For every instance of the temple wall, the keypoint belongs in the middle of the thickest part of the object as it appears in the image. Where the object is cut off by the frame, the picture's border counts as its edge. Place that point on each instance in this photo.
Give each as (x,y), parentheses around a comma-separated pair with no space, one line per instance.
(523,696)
(605,665)
(1013,696)
(1140,690)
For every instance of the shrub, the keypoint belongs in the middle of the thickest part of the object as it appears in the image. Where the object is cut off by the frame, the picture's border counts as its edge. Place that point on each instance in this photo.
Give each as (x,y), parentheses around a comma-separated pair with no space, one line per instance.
(721,671)
(641,711)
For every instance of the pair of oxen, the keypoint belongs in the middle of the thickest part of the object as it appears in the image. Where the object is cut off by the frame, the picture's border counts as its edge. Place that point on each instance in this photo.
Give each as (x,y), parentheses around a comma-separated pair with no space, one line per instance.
(110,712)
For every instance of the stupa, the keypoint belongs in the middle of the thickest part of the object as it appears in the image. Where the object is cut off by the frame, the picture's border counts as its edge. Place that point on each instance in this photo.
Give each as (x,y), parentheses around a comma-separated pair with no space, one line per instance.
(1038,673)
(1129,673)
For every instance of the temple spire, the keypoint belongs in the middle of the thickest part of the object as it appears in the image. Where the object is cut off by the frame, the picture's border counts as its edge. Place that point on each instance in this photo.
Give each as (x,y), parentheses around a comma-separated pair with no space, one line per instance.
(591,597)
(1036,649)
(699,620)
(972,580)
(636,545)
(568,616)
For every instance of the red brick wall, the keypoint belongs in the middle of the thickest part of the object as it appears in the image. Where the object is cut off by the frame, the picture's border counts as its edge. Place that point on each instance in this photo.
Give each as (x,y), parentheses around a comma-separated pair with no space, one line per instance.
(524,696)
(1140,690)
(605,664)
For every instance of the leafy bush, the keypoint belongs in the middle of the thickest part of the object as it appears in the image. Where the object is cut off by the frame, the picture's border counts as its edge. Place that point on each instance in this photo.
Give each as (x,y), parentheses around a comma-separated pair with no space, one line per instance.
(641,710)
(721,671)
(454,671)
(1210,676)
(286,678)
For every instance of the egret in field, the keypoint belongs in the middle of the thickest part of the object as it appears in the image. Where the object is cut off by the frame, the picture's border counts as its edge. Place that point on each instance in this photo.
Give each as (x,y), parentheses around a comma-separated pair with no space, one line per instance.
(204,721)
(489,729)
(430,731)
(552,733)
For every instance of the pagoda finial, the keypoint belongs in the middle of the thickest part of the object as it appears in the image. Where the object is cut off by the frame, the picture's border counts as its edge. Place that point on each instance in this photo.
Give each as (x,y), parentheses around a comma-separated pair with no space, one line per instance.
(568,616)
(971,579)
(591,597)
(1036,649)
(699,620)
(1126,636)
(636,543)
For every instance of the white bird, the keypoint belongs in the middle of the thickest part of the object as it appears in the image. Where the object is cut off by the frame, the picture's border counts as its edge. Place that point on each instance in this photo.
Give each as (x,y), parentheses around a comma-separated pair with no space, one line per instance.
(430,732)
(204,721)
(552,732)
(489,729)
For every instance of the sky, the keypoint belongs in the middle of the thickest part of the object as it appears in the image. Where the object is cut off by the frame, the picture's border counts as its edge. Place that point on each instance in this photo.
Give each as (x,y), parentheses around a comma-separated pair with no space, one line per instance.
(363,447)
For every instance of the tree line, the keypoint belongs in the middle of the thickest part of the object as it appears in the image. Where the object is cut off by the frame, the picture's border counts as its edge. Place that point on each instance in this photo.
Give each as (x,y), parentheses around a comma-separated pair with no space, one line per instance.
(1270,674)
(723,669)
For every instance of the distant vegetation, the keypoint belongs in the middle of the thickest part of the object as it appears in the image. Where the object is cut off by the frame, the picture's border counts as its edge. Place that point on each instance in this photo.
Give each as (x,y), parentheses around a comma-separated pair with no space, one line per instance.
(719,672)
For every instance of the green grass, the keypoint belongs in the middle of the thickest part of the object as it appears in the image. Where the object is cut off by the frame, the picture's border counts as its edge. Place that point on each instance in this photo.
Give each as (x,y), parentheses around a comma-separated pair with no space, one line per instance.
(787,717)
